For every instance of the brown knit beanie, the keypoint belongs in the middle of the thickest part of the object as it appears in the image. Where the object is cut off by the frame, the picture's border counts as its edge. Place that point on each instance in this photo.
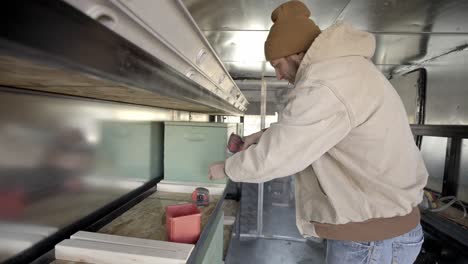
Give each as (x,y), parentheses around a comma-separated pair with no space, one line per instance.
(292,31)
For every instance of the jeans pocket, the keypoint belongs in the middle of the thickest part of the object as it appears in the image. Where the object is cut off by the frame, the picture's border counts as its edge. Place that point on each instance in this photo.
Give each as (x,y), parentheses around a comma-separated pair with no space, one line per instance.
(360,245)
(348,252)
(407,250)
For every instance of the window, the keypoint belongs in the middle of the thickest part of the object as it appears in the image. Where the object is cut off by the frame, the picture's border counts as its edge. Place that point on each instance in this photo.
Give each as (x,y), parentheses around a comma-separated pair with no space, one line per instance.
(433,150)
(252,123)
(462,192)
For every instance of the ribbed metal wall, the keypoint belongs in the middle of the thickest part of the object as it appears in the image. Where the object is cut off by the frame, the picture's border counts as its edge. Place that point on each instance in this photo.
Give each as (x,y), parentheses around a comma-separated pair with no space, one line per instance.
(62,158)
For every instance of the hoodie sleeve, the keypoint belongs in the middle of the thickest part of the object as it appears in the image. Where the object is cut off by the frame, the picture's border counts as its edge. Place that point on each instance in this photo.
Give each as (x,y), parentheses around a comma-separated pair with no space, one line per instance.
(313,121)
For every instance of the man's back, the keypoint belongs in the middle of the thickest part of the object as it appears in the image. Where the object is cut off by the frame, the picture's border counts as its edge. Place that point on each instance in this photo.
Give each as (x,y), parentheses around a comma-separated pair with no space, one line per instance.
(376,170)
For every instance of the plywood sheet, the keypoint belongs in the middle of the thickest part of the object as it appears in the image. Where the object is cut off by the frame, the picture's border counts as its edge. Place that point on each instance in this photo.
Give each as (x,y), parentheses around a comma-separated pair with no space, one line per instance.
(147,219)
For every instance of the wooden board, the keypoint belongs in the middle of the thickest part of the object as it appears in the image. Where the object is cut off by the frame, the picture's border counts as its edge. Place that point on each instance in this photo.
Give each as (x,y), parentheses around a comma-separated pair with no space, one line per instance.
(107,253)
(229,220)
(130,241)
(22,73)
(188,187)
(455,215)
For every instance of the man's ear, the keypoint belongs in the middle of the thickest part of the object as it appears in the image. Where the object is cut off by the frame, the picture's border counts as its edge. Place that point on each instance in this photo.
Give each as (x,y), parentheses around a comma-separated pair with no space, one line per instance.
(296,57)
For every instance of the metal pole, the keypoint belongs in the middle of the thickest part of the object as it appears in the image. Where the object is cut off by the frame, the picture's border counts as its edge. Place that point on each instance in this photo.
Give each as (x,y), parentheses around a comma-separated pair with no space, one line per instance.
(263,94)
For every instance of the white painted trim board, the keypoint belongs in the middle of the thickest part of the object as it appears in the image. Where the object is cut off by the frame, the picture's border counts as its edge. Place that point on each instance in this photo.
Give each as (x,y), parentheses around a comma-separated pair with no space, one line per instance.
(229,220)
(189,187)
(108,253)
(132,241)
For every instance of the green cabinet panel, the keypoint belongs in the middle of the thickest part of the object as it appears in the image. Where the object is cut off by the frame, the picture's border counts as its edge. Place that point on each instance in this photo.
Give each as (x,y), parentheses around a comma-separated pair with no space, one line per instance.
(211,252)
(214,254)
(131,149)
(189,148)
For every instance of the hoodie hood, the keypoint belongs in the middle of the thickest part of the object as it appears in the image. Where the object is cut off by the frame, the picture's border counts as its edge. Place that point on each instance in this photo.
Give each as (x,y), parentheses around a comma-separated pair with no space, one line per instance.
(340,40)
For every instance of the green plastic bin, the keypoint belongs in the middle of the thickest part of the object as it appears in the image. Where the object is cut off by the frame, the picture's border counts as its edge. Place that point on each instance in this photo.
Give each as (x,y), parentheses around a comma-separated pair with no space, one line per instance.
(189,148)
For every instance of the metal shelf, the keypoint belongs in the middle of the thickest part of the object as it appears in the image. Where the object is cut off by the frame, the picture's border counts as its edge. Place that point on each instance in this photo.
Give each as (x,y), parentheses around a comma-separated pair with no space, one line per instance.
(51,46)
(459,131)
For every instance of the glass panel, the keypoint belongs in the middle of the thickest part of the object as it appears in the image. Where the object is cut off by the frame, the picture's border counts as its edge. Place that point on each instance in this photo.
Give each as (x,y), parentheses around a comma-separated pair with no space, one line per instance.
(463,180)
(433,150)
(252,123)
(232,119)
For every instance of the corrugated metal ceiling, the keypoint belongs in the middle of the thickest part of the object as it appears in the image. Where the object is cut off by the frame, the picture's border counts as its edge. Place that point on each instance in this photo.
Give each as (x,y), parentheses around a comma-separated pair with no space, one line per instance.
(408,32)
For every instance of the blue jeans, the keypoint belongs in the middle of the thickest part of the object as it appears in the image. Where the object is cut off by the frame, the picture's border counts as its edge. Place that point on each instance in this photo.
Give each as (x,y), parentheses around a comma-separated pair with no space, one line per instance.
(403,249)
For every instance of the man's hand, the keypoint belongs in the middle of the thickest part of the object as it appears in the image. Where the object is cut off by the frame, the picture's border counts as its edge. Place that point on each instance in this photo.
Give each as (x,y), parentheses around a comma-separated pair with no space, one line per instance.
(216,171)
(251,139)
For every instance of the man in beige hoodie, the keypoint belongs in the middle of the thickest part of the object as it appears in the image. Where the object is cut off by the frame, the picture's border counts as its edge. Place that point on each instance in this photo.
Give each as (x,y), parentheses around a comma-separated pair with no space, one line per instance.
(345,135)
